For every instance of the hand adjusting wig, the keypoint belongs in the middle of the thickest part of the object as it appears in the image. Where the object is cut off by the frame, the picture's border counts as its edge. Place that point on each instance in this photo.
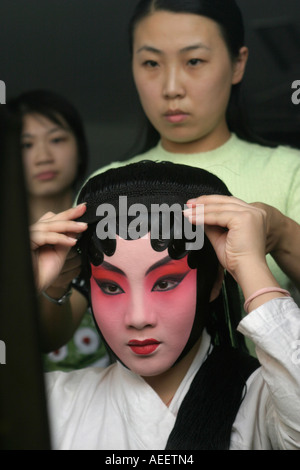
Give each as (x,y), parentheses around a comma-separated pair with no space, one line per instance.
(206,415)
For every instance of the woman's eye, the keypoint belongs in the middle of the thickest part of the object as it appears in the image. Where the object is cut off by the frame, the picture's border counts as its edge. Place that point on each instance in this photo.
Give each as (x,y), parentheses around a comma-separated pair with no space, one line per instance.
(26,145)
(57,140)
(110,288)
(194,62)
(151,63)
(166,284)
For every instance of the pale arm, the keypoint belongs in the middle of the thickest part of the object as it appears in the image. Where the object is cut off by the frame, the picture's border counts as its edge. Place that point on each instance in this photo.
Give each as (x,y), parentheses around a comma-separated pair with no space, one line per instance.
(283,241)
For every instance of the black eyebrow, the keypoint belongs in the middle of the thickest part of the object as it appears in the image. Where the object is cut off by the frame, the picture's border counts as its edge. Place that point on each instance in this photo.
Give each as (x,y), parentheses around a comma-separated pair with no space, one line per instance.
(111,267)
(160,263)
(149,49)
(192,47)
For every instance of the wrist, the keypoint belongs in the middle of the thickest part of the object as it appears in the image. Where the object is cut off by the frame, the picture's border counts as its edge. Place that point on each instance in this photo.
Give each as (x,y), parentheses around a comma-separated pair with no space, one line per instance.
(264,295)
(278,241)
(253,275)
(58,295)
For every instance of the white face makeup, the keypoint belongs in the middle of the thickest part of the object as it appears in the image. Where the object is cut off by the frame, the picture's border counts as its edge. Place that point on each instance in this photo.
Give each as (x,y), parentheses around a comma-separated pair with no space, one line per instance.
(184,74)
(50,156)
(144,303)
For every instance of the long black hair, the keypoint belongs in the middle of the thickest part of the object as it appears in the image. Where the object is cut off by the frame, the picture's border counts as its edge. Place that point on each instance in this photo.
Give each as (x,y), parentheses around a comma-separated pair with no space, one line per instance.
(227,15)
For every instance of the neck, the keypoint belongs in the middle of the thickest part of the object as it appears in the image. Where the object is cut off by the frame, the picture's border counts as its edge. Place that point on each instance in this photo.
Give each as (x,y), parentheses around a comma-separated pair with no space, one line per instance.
(166,384)
(38,206)
(206,143)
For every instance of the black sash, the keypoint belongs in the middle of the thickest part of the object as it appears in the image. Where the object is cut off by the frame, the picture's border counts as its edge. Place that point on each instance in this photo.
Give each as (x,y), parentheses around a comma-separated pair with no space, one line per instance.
(208,411)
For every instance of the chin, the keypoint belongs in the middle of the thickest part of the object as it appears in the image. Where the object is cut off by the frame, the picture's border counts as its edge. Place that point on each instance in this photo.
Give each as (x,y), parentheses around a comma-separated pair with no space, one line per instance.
(148,370)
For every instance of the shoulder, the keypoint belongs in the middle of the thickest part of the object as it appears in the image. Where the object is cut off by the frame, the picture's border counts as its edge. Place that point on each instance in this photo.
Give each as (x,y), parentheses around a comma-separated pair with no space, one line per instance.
(70,384)
(281,153)
(149,155)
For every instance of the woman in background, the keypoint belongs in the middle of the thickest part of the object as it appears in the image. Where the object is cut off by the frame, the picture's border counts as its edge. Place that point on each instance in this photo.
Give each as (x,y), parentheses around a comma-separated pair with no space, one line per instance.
(55,159)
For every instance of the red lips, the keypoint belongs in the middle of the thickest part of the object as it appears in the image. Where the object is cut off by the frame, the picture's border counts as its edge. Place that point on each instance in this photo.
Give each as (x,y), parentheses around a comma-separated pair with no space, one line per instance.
(144,347)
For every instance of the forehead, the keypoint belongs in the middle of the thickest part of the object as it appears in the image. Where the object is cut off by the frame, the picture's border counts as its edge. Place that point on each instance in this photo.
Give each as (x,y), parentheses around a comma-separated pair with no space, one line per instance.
(138,257)
(137,254)
(39,122)
(176,30)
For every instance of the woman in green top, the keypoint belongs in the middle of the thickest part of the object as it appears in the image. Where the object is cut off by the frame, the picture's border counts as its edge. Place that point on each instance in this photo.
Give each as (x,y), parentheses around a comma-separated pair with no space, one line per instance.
(188,61)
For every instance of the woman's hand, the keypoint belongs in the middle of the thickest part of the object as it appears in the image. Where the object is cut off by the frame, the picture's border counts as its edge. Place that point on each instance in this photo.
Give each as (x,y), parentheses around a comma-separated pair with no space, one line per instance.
(238,233)
(52,237)
(236,230)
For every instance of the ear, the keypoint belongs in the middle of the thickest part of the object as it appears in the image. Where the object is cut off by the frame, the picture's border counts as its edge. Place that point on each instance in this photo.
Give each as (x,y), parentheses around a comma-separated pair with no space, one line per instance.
(217,285)
(240,65)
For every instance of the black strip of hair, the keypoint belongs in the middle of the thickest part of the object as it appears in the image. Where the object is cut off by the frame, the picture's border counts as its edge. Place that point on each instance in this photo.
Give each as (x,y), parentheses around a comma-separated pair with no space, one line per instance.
(205,418)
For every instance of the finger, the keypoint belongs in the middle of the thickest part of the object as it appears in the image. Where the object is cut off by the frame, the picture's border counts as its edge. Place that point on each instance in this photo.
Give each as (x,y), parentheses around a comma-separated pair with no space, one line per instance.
(195,214)
(39,239)
(214,199)
(219,213)
(48,215)
(214,214)
(69,214)
(59,226)
(72,213)
(228,219)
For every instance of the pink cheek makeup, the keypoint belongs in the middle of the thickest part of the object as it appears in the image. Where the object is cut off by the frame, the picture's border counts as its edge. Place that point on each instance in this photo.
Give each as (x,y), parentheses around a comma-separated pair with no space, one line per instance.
(104,302)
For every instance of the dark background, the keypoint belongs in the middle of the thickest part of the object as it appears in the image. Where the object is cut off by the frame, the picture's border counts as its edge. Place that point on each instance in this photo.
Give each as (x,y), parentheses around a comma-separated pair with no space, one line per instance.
(80,49)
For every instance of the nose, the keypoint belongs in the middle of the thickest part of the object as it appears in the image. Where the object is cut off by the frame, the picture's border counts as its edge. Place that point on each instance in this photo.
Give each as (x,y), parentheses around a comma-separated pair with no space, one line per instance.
(139,312)
(42,154)
(173,86)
